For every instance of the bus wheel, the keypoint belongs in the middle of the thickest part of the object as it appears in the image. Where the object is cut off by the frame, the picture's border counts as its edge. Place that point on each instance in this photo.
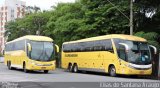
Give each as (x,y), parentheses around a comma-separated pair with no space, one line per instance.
(24,68)
(112,71)
(9,65)
(75,68)
(45,71)
(70,67)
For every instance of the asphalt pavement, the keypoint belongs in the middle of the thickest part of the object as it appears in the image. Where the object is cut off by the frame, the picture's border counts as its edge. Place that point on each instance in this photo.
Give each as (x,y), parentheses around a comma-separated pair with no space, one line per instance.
(60,76)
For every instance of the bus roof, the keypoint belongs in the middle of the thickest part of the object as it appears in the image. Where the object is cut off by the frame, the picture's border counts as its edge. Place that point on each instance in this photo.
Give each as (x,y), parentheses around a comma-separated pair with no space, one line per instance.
(120,36)
(33,37)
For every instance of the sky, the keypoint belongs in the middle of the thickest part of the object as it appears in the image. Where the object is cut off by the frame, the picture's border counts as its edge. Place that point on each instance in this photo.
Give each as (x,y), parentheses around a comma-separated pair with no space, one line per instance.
(43,4)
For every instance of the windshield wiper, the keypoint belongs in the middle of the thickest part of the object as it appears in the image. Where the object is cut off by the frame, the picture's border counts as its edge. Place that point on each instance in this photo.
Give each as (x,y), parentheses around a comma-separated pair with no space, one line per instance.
(48,57)
(42,52)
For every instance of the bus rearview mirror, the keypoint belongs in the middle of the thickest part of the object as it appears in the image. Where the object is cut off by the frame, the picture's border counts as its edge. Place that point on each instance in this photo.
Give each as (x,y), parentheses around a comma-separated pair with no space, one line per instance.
(125,45)
(154,48)
(29,47)
(57,48)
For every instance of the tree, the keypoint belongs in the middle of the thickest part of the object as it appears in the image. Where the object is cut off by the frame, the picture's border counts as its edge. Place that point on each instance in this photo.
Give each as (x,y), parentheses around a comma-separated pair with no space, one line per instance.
(89,18)
(27,25)
(32,9)
(65,22)
(106,18)
(144,13)
(151,37)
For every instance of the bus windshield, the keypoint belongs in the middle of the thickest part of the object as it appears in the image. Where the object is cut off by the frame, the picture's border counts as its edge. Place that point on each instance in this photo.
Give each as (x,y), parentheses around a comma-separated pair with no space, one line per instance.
(138,52)
(42,51)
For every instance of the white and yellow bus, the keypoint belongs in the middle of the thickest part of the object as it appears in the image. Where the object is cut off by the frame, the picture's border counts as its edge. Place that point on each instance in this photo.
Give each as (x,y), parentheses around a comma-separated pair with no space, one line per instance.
(31,52)
(113,54)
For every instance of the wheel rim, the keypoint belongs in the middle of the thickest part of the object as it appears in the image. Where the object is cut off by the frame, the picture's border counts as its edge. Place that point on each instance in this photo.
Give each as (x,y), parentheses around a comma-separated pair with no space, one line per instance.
(9,67)
(112,71)
(25,68)
(75,68)
(70,68)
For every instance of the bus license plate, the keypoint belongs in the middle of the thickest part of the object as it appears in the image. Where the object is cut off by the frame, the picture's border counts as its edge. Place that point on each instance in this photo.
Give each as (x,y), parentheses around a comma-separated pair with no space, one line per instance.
(43,68)
(141,72)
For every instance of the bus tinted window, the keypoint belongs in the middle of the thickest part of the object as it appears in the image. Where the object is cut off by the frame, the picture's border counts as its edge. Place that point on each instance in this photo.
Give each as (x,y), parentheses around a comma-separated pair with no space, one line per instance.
(19,45)
(9,47)
(99,45)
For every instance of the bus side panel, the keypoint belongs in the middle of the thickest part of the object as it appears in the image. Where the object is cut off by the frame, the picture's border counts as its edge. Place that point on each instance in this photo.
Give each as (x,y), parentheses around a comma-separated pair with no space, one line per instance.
(90,61)
(110,59)
(115,59)
(6,58)
(16,58)
(64,61)
(94,61)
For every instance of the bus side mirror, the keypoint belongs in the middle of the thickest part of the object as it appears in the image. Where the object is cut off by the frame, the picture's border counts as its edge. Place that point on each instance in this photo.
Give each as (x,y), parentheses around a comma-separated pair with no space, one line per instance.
(154,48)
(29,48)
(125,45)
(57,48)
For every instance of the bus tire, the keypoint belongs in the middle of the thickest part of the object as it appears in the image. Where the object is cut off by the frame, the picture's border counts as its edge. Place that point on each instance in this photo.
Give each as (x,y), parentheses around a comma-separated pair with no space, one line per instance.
(24,68)
(45,71)
(112,71)
(70,67)
(75,68)
(9,66)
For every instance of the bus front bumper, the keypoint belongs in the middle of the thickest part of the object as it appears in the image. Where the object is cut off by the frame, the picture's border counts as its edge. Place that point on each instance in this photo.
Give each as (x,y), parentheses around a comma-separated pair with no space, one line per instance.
(41,67)
(132,71)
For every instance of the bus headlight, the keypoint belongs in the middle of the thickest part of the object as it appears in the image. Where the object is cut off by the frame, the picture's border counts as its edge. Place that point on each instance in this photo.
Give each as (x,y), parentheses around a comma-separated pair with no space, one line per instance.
(38,64)
(33,63)
(139,67)
(44,64)
(128,65)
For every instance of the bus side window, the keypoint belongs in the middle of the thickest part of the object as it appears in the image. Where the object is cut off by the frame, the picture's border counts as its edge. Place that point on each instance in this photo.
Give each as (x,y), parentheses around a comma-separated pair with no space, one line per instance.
(108,46)
(111,49)
(13,46)
(97,48)
(121,52)
(103,48)
(6,47)
(66,48)
(63,48)
(20,45)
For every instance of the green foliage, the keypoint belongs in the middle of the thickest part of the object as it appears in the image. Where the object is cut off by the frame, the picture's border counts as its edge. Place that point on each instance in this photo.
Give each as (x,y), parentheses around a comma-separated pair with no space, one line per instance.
(31,10)
(88,18)
(151,37)
(105,18)
(65,23)
(1,55)
(27,25)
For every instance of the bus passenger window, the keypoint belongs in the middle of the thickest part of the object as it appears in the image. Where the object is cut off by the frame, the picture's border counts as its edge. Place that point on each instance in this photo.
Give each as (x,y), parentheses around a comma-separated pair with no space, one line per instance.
(121,52)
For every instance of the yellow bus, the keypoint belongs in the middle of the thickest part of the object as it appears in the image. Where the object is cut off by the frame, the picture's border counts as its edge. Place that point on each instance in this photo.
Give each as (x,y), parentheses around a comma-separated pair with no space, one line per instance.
(31,52)
(113,54)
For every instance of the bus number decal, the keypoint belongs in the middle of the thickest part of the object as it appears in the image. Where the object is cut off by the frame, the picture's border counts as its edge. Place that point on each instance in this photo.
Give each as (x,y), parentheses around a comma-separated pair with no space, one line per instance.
(71,55)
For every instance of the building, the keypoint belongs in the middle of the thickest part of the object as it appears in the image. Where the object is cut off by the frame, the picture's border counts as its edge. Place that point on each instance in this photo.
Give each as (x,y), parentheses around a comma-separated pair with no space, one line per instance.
(10,10)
